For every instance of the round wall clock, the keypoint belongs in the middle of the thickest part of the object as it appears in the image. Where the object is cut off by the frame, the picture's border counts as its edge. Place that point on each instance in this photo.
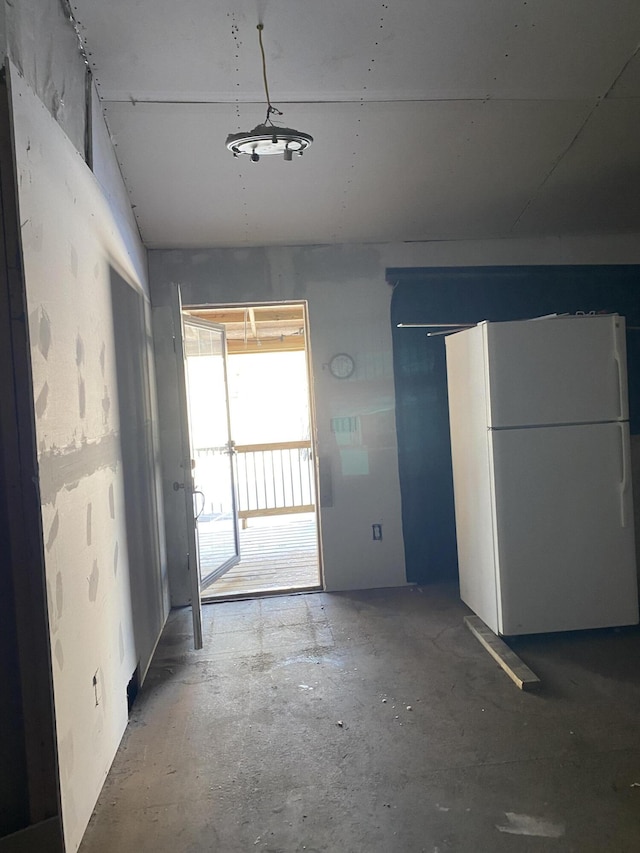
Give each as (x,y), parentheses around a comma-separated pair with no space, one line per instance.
(341,365)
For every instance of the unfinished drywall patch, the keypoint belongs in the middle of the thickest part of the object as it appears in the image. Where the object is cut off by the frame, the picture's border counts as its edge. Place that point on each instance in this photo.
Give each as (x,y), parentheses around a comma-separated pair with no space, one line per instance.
(47,51)
(89,510)
(94,580)
(59,595)
(64,467)
(44,333)
(42,400)
(53,531)
(59,655)
(102,630)
(106,405)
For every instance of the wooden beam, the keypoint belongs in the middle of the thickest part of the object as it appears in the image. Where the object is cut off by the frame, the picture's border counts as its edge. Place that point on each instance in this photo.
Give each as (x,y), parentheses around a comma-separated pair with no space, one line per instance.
(500,651)
(292,343)
(277,510)
(236,315)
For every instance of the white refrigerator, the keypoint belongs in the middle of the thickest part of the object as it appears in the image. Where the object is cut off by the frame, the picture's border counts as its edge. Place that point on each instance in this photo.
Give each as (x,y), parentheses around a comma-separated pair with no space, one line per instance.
(542,473)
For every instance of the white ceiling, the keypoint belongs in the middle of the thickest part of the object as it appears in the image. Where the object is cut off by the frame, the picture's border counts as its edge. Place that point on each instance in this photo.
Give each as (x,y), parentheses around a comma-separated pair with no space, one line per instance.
(432,119)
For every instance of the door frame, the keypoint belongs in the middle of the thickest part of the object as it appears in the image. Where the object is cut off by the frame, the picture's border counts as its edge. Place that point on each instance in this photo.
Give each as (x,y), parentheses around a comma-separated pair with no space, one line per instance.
(313,428)
(192,566)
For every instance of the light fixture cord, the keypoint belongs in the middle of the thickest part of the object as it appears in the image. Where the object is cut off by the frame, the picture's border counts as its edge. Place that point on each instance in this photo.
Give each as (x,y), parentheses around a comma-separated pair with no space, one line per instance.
(270,108)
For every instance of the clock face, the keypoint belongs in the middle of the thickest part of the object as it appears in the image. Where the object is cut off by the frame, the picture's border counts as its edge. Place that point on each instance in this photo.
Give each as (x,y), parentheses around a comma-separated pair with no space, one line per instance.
(341,366)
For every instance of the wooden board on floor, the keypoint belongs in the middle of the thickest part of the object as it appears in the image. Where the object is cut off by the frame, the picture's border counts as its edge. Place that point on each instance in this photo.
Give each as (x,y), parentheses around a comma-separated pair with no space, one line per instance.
(518,671)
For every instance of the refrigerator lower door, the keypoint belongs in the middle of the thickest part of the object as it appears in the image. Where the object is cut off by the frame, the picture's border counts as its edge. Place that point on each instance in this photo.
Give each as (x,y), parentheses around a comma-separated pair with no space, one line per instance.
(564,528)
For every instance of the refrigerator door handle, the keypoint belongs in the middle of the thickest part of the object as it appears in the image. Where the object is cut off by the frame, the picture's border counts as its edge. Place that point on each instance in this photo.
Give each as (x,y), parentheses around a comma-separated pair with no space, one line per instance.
(621,371)
(624,482)
(616,356)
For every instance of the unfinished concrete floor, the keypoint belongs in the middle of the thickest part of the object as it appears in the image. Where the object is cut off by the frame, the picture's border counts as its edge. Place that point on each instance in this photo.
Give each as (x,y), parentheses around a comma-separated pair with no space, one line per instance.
(291,731)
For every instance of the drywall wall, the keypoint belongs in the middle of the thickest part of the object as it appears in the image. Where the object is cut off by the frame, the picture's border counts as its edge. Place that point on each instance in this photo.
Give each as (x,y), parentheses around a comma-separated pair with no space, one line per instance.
(42,43)
(107,172)
(88,320)
(349,310)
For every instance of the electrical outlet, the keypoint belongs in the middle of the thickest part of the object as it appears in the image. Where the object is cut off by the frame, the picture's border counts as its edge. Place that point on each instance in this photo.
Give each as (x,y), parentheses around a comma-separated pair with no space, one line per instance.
(377,532)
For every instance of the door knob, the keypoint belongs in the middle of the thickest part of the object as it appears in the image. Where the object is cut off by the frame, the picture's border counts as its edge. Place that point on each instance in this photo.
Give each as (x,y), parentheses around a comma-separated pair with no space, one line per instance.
(177,486)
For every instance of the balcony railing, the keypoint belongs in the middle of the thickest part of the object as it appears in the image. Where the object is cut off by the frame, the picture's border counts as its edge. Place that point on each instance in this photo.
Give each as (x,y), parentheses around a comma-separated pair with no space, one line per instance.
(274,479)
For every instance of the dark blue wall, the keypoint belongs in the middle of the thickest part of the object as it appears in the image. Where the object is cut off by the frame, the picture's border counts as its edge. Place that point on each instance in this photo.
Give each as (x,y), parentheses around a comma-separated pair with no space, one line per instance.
(469,295)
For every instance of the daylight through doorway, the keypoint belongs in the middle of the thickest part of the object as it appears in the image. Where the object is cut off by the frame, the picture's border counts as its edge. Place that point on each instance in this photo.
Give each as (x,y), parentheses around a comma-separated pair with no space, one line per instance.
(272,429)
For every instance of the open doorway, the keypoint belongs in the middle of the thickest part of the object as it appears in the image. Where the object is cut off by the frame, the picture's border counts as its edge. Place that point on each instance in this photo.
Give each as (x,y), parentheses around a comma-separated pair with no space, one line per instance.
(274,460)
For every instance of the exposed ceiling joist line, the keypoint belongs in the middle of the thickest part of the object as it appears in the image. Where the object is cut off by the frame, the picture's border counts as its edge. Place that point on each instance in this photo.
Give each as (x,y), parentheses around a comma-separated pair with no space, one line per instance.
(555,165)
(576,137)
(350,177)
(620,74)
(237,43)
(349,99)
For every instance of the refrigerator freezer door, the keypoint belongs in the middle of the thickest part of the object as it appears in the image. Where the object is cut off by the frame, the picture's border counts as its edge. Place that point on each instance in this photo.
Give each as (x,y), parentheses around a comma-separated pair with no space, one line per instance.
(564,529)
(556,371)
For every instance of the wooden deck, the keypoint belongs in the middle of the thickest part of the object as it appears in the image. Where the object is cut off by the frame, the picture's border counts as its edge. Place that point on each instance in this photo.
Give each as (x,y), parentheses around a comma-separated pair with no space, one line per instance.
(276,554)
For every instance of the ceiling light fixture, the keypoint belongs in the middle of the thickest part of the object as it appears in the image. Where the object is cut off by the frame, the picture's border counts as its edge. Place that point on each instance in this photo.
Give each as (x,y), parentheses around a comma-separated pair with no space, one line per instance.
(266,139)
